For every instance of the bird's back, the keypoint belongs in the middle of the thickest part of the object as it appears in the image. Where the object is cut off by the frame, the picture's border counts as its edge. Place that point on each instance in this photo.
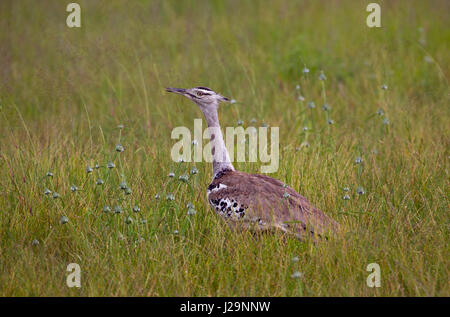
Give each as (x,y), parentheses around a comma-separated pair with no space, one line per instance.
(264,203)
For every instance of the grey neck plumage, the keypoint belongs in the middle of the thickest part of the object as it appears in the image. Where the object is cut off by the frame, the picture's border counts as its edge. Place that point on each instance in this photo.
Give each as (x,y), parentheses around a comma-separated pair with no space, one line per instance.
(221,158)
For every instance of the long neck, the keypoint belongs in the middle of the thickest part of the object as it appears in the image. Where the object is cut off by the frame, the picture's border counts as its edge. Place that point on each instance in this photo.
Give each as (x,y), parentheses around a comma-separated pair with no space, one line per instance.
(221,158)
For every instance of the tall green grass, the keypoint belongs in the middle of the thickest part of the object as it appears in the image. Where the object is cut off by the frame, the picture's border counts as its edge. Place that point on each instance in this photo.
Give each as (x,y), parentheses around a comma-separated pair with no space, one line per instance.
(64,92)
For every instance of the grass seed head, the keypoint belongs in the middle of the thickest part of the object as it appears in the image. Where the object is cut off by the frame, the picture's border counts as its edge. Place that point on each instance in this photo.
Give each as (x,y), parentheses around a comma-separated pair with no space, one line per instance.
(63,220)
(296,274)
(191,211)
(360,191)
(123,185)
(119,148)
(380,112)
(322,76)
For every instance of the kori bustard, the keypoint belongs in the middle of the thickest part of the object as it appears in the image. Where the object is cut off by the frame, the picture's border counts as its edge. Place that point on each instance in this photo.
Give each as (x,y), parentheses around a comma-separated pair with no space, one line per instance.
(252,201)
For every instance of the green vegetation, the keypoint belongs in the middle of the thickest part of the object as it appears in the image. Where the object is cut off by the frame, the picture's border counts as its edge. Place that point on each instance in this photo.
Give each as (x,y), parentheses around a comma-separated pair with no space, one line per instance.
(64,92)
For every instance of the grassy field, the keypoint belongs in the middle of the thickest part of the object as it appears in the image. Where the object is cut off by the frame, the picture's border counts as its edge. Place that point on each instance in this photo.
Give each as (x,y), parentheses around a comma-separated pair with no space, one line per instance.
(64,92)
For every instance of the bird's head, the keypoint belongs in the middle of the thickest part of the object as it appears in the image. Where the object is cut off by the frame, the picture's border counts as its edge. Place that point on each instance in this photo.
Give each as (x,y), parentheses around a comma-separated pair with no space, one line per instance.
(202,96)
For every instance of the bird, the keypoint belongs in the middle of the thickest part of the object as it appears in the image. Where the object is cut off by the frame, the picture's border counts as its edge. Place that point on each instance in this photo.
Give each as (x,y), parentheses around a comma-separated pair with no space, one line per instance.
(253,202)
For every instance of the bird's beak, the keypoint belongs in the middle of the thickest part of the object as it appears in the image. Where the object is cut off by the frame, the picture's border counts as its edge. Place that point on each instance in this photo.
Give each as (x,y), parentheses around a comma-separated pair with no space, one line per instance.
(180,91)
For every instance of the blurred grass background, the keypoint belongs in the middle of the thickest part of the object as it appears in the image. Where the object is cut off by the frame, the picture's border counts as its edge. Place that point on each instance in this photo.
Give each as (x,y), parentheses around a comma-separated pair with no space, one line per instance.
(63,93)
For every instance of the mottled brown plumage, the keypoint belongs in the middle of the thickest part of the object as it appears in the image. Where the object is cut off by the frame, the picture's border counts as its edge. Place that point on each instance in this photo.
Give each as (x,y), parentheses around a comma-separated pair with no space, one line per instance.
(270,205)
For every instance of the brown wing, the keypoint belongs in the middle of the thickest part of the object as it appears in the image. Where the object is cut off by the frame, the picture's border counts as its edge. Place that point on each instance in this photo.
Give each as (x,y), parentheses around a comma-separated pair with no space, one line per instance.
(274,204)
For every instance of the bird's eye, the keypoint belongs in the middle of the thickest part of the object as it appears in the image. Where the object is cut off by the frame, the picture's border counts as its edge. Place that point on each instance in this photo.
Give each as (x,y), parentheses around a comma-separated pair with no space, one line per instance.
(199,93)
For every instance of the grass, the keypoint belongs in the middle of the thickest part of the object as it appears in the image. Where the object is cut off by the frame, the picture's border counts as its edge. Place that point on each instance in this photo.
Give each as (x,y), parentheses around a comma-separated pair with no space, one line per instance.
(65,91)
